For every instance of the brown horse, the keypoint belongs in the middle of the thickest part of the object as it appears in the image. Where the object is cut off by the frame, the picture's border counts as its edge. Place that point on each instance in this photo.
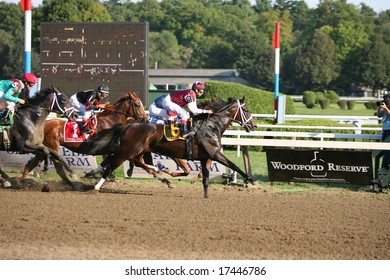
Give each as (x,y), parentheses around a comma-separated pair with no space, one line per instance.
(134,140)
(128,106)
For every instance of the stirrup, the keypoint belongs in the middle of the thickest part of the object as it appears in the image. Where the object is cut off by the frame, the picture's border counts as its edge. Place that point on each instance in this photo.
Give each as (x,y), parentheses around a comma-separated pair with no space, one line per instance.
(189,134)
(85,129)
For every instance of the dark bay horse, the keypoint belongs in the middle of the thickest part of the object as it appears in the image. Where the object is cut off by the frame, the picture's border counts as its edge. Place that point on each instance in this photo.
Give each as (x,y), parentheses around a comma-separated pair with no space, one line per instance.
(129,106)
(26,132)
(136,139)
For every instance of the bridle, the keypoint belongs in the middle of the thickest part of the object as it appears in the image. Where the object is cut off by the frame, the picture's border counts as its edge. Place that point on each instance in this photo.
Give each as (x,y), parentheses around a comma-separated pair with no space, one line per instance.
(244,121)
(67,112)
(134,107)
(64,111)
(135,110)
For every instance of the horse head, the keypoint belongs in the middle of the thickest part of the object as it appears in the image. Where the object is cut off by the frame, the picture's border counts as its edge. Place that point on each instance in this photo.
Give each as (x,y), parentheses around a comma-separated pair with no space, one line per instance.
(62,106)
(51,100)
(237,111)
(136,109)
(243,116)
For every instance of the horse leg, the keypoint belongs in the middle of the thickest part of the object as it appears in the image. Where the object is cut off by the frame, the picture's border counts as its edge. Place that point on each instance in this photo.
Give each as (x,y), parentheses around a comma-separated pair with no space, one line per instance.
(139,161)
(43,153)
(31,164)
(205,172)
(222,159)
(3,179)
(61,172)
(131,168)
(3,174)
(182,164)
(112,162)
(200,175)
(98,169)
(95,171)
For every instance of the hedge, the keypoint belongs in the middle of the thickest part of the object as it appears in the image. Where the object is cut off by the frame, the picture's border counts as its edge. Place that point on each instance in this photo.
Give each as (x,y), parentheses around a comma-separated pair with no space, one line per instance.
(258,101)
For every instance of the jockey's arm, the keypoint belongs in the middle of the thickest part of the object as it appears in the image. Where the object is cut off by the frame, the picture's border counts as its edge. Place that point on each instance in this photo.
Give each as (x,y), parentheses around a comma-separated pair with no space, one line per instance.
(9,96)
(193,108)
(96,105)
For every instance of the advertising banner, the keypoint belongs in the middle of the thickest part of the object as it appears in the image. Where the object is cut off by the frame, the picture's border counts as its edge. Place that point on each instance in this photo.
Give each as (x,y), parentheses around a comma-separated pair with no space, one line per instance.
(160,162)
(320,166)
(78,162)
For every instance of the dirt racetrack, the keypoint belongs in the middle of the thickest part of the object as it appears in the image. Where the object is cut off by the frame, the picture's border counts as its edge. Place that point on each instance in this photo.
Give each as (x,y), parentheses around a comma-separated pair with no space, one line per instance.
(146,220)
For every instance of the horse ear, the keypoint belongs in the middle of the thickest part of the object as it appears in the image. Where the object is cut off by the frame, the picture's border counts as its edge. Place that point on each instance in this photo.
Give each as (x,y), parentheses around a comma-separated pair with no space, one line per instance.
(243,99)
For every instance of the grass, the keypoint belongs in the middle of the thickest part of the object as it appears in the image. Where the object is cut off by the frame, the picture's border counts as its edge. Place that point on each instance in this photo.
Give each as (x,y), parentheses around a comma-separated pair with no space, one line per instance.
(334,110)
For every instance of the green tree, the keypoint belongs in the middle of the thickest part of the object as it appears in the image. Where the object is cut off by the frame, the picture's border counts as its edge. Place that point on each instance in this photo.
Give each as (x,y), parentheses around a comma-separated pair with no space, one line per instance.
(316,62)
(152,12)
(121,12)
(375,64)
(263,5)
(164,50)
(75,11)
(256,60)
(213,52)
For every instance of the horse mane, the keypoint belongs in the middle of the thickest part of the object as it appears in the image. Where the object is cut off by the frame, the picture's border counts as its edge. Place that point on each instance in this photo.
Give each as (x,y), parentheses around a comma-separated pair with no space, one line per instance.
(122,98)
(42,92)
(215,104)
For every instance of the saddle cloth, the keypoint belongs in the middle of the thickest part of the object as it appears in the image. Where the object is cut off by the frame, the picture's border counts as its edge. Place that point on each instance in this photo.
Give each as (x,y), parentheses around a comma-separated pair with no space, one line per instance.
(72,132)
(172,132)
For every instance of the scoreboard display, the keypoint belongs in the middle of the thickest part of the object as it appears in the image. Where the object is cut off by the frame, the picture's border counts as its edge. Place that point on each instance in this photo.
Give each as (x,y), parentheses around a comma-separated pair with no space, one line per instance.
(80,56)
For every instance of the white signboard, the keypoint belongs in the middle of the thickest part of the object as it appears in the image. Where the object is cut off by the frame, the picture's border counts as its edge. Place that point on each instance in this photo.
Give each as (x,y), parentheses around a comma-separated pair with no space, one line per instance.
(160,162)
(78,162)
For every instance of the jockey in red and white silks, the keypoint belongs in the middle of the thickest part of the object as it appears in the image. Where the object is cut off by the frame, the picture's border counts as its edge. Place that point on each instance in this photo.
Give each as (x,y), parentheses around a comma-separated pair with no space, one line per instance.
(176,102)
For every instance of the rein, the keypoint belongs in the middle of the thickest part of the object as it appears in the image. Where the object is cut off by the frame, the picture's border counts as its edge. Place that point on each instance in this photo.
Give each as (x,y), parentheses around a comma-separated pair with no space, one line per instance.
(135,116)
(66,112)
(244,120)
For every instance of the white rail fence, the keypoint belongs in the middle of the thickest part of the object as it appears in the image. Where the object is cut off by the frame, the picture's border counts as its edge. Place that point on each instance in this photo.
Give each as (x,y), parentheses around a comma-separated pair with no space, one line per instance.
(318,139)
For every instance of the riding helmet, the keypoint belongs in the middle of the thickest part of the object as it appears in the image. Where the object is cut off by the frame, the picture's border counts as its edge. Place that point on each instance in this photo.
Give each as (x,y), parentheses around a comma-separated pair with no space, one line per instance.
(104,89)
(29,78)
(198,85)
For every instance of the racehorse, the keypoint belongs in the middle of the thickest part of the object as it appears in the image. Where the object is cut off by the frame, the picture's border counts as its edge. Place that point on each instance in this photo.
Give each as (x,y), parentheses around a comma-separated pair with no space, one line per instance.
(26,132)
(136,139)
(129,106)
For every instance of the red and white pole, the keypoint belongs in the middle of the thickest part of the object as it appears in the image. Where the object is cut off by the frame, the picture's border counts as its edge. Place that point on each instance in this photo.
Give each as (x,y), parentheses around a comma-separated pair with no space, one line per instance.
(276,45)
(27,9)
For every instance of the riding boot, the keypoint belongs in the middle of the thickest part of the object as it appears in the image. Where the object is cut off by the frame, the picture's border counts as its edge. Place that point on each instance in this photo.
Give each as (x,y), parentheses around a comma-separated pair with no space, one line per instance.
(85,128)
(4,117)
(184,130)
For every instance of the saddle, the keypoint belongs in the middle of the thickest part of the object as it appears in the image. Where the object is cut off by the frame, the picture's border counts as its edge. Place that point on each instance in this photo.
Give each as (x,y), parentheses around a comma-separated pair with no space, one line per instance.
(72,130)
(172,132)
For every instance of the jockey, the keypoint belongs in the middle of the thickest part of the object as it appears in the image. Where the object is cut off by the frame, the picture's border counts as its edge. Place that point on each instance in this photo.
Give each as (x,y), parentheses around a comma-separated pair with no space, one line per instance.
(88,100)
(176,102)
(14,91)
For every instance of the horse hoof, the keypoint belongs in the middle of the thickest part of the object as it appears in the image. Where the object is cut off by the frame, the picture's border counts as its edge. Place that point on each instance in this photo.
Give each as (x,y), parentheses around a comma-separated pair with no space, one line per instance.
(45,188)
(171,186)
(6,184)
(194,180)
(129,173)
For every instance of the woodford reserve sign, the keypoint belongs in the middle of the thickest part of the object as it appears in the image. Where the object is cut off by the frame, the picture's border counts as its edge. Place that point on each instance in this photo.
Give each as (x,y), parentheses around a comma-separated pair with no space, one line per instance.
(320,166)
